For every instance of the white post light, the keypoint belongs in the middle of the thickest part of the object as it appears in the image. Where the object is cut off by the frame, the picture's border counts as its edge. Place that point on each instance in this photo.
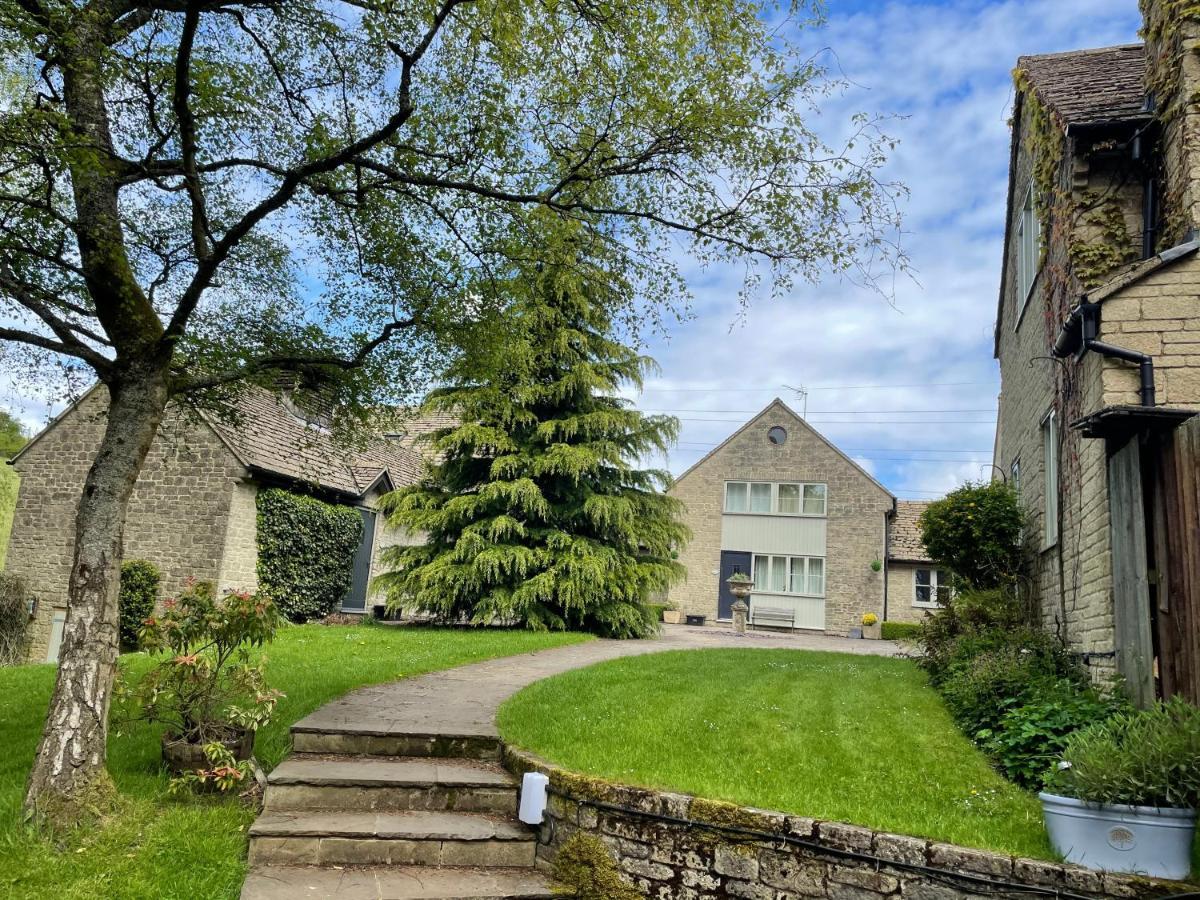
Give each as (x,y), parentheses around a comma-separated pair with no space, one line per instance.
(533,798)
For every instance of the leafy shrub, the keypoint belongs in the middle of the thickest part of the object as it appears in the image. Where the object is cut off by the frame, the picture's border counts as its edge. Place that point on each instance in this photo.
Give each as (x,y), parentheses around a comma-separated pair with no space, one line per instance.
(975,532)
(992,671)
(205,689)
(14,619)
(967,616)
(901,631)
(1145,758)
(305,552)
(1031,737)
(656,610)
(139,592)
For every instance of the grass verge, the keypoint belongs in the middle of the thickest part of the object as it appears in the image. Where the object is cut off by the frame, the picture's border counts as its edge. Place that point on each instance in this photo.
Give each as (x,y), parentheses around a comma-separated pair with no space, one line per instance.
(834,736)
(155,847)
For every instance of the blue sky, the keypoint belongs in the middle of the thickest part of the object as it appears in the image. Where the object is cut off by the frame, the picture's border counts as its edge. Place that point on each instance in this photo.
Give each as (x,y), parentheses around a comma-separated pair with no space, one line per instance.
(909,391)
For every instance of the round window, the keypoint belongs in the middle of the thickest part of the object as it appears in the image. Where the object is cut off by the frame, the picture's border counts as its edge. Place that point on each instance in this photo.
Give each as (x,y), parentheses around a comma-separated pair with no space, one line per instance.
(777,434)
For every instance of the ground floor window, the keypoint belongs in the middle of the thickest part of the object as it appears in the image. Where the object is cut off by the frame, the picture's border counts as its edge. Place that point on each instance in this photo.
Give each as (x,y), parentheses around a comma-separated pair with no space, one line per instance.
(789,575)
(931,587)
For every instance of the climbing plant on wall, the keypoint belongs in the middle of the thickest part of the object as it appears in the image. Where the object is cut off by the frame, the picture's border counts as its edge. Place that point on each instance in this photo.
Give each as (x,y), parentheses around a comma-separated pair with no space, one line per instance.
(306,552)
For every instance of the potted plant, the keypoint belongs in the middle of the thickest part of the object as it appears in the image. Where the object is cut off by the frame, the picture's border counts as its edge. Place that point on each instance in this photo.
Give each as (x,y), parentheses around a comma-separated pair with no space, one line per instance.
(672,614)
(1124,796)
(205,689)
(871,629)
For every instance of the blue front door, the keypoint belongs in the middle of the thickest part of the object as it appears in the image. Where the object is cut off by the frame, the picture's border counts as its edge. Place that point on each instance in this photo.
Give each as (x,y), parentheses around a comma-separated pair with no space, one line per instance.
(731,561)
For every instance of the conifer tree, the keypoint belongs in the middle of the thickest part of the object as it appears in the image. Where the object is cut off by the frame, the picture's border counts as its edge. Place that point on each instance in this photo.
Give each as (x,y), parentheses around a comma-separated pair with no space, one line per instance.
(537,512)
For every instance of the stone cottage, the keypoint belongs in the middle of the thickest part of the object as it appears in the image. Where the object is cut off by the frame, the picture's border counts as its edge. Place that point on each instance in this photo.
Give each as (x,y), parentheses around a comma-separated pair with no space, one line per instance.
(1098,339)
(193,511)
(780,503)
(916,587)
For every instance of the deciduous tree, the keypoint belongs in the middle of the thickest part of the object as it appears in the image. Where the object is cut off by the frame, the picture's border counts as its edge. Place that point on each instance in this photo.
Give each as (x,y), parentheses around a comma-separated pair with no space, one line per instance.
(195,194)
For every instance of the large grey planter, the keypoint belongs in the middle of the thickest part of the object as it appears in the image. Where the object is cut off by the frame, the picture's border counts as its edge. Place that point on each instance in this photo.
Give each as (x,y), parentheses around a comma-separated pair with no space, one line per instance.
(1140,839)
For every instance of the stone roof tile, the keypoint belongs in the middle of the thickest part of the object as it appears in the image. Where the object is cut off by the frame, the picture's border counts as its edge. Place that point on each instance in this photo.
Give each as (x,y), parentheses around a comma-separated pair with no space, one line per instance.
(1087,87)
(906,543)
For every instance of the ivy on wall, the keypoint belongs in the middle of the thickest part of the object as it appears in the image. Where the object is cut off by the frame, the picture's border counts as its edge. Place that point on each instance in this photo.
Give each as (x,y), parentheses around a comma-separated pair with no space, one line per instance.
(306,552)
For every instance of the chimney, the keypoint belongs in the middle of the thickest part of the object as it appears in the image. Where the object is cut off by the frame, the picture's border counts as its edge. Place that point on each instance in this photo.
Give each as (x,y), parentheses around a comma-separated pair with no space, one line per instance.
(1172,33)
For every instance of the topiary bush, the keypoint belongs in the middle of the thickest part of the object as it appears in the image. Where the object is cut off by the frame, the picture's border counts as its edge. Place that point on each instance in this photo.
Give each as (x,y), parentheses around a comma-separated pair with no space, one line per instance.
(306,551)
(976,532)
(139,592)
(14,620)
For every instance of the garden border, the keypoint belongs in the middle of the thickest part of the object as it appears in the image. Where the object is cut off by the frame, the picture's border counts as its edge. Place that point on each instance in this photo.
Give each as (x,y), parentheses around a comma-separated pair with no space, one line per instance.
(677,846)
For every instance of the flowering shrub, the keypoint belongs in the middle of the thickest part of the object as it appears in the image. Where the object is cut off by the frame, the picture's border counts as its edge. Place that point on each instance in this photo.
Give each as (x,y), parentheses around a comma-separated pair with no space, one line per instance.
(206,689)
(976,532)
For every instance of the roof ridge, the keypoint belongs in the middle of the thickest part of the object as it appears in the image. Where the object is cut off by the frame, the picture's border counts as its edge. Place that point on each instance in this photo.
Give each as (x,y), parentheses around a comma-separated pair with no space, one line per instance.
(1062,54)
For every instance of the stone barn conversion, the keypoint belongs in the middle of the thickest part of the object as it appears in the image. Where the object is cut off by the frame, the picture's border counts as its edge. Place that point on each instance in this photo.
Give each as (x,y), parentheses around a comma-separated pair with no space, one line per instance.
(780,503)
(916,587)
(193,510)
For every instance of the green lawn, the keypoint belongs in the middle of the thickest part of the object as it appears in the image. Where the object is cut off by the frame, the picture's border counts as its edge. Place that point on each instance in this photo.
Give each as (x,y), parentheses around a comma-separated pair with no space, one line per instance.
(162,848)
(834,736)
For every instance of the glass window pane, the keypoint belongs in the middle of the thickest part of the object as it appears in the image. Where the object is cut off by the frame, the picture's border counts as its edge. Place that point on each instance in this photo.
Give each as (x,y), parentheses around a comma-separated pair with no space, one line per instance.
(735,497)
(816,576)
(760,498)
(789,498)
(923,576)
(760,572)
(779,573)
(796,575)
(924,593)
(814,499)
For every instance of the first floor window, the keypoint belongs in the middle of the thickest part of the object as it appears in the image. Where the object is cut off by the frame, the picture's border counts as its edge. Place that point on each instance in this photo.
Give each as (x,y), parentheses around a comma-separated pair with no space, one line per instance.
(775,498)
(932,587)
(789,575)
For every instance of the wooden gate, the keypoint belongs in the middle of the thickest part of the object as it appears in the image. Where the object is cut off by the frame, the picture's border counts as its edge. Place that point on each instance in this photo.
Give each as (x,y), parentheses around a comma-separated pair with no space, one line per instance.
(1176,552)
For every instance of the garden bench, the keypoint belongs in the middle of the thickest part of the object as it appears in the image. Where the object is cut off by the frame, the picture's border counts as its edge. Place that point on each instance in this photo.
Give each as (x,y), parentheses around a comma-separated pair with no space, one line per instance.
(776,616)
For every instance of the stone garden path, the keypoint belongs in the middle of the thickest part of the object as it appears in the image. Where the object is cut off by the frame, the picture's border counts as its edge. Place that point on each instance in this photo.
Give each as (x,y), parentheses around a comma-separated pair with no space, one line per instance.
(394,792)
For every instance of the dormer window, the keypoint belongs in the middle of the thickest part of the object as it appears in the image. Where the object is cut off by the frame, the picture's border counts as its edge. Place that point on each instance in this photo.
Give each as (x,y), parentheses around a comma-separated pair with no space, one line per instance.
(1029,251)
(318,421)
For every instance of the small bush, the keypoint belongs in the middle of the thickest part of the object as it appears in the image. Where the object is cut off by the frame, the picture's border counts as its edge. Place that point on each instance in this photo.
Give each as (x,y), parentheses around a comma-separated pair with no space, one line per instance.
(14,620)
(139,592)
(901,631)
(1031,737)
(656,610)
(306,552)
(975,531)
(585,870)
(969,614)
(1145,758)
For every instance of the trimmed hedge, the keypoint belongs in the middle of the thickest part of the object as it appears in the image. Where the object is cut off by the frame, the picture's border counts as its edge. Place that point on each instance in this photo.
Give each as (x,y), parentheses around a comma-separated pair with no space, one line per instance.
(901,631)
(139,591)
(306,552)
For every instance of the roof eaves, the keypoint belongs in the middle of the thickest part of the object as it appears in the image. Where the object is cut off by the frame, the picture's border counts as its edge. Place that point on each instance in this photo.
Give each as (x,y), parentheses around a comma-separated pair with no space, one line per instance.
(53,423)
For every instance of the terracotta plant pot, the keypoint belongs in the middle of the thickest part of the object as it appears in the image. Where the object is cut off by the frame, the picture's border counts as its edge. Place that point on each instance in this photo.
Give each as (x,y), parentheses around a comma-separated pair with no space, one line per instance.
(672,616)
(182,756)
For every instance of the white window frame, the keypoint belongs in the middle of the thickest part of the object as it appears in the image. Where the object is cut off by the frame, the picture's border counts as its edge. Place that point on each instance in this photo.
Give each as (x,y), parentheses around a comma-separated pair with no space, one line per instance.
(787,568)
(1029,253)
(774,506)
(1050,494)
(1014,476)
(935,585)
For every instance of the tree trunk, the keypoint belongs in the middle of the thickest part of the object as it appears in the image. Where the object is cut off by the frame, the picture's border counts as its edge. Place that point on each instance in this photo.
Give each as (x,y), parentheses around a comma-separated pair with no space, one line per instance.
(69,779)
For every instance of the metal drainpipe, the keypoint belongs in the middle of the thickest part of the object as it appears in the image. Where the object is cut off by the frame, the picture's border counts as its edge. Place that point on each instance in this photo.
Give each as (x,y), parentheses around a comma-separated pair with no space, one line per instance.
(1078,335)
(1145,366)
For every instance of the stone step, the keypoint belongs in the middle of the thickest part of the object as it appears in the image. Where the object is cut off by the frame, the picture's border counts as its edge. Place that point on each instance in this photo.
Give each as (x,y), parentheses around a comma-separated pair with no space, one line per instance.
(351,739)
(412,838)
(385,783)
(395,883)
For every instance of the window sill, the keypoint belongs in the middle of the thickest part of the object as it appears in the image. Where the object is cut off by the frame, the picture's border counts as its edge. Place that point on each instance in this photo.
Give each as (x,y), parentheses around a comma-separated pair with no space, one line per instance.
(788,594)
(917,605)
(777,515)
(1048,546)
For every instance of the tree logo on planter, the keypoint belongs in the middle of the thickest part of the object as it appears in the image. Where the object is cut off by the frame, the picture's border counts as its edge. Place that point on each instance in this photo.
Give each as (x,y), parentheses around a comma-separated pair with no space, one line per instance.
(1121,838)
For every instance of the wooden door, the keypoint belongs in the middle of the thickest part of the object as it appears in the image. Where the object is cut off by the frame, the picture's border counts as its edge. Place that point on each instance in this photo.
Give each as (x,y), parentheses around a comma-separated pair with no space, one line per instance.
(1130,574)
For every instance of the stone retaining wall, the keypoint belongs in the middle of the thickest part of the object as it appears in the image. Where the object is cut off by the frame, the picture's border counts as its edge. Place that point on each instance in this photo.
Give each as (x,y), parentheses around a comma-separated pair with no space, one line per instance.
(676,847)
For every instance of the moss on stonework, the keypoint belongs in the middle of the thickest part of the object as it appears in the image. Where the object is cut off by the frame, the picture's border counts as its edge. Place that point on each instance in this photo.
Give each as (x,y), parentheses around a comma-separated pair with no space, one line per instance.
(584,869)
(716,812)
(583,787)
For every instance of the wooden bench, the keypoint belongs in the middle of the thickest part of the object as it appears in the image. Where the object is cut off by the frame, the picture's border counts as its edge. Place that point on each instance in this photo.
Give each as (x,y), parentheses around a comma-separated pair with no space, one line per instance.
(773,616)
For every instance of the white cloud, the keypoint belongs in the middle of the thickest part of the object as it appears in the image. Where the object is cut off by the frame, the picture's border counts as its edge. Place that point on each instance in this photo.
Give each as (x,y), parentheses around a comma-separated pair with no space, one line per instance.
(945,67)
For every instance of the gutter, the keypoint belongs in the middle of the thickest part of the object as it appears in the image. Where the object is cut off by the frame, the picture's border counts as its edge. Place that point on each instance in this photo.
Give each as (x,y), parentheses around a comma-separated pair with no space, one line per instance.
(1078,335)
